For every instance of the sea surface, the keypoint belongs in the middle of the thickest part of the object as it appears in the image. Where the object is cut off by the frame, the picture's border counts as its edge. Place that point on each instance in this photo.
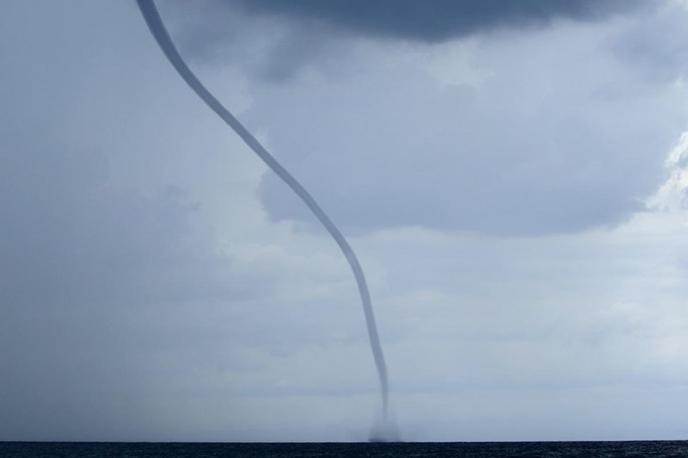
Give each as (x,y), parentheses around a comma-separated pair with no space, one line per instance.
(314,450)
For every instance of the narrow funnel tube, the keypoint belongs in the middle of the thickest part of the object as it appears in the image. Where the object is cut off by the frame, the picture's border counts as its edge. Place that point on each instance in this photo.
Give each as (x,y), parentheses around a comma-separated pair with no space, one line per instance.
(157,28)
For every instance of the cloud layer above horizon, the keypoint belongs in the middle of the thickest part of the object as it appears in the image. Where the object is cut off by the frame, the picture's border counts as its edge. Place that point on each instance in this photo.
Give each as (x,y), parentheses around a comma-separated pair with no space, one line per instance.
(436,21)
(513,178)
(520,131)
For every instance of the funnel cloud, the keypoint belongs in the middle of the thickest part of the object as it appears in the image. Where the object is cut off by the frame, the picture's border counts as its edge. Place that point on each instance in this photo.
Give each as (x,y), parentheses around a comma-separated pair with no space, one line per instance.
(157,28)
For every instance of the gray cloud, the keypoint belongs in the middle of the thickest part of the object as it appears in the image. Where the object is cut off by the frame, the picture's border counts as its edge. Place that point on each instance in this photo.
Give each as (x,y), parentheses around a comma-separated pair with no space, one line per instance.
(435,20)
(657,49)
(549,131)
(146,295)
(301,34)
(527,132)
(220,33)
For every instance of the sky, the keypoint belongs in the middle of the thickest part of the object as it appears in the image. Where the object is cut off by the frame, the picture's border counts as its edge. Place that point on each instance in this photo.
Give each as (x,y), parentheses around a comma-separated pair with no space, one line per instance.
(512,176)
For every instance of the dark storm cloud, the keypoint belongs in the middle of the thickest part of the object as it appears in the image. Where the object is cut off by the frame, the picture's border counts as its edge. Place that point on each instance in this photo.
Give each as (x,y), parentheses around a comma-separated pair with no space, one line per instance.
(292,35)
(435,20)
(571,104)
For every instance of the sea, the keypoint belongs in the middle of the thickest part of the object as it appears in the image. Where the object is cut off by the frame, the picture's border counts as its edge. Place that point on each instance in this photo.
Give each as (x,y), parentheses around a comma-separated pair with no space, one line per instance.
(348,450)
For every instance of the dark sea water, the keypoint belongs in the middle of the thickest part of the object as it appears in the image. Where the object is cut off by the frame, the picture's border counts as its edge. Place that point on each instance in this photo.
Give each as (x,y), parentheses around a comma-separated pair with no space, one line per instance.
(313,450)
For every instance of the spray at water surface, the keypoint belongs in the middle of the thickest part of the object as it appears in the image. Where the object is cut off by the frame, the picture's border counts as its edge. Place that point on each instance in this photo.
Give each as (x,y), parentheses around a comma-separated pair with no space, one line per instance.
(157,28)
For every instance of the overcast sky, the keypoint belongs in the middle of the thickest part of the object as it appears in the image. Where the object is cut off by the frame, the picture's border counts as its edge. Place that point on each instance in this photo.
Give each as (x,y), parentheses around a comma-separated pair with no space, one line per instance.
(511,174)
